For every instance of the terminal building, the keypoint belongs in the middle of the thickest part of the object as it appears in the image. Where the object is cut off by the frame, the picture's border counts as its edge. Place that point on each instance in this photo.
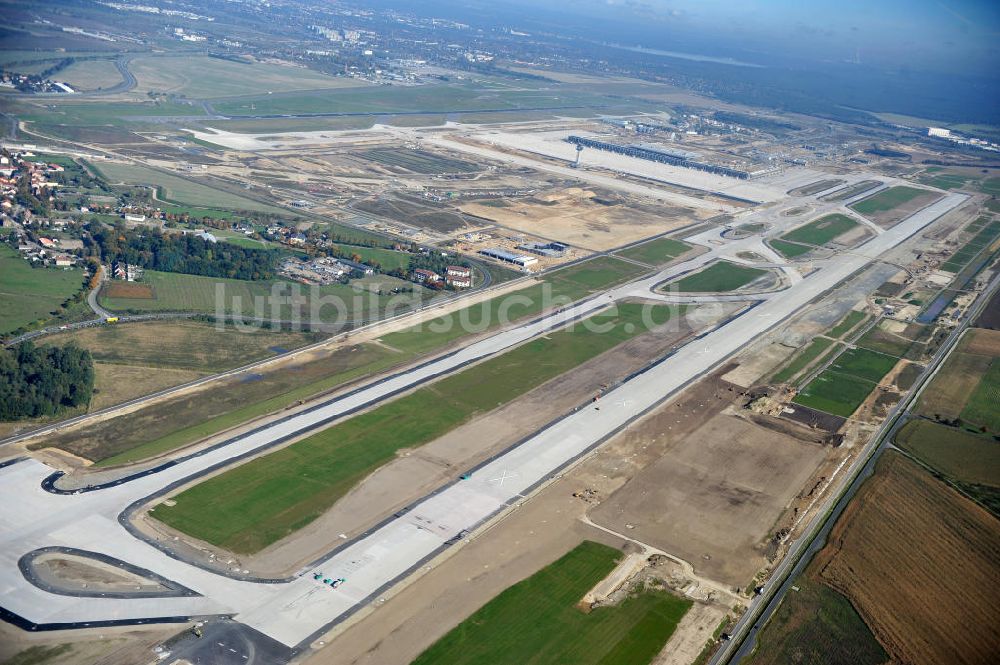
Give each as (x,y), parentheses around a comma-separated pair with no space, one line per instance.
(522,260)
(668,156)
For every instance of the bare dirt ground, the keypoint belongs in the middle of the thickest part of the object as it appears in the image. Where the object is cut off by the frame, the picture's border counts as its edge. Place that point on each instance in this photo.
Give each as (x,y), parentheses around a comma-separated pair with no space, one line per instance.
(714,497)
(78,573)
(588,219)
(107,646)
(691,634)
(416,472)
(921,564)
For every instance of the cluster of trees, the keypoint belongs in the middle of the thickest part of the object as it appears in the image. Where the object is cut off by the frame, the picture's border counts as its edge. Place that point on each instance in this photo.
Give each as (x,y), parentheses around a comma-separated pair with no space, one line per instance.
(187,254)
(436,262)
(42,381)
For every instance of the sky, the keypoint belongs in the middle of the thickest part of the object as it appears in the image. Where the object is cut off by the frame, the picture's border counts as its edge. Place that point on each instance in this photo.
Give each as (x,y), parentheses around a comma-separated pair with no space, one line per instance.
(941,34)
(960,36)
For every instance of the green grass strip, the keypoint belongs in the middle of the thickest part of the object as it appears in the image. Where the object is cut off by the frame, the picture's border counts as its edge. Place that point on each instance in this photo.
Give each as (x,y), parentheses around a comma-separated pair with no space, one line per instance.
(260,502)
(804,358)
(536,621)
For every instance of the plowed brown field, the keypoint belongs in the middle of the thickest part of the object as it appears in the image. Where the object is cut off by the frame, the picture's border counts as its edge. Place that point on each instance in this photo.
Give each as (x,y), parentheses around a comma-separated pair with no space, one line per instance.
(921,564)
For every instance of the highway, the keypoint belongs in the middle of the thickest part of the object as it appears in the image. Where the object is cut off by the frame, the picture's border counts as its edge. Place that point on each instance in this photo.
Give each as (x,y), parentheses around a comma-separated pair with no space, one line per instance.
(295,611)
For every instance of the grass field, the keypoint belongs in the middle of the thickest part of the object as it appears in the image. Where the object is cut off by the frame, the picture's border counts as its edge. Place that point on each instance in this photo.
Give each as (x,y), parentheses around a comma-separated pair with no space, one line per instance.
(789,250)
(180,420)
(559,288)
(983,407)
(960,455)
(843,386)
(839,394)
(176,292)
(966,387)
(802,359)
(202,77)
(181,344)
(818,232)
(656,252)
(157,429)
(429,99)
(266,499)
(28,295)
(920,563)
(91,74)
(721,276)
(880,339)
(179,190)
(864,364)
(815,624)
(847,324)
(888,199)
(822,230)
(536,621)
(943,180)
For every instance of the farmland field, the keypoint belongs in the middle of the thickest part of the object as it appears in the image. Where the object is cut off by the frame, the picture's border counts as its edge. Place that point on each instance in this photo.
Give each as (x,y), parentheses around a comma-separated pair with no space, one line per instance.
(720,276)
(958,454)
(921,564)
(179,190)
(803,358)
(983,407)
(537,621)
(266,499)
(954,384)
(656,252)
(128,290)
(28,294)
(202,77)
(815,624)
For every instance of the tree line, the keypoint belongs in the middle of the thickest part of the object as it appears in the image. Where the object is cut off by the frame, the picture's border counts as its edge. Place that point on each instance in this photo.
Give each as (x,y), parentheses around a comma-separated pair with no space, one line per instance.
(183,253)
(43,380)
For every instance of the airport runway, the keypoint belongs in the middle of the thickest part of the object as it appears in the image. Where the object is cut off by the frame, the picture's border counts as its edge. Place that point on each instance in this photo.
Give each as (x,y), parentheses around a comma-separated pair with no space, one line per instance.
(295,612)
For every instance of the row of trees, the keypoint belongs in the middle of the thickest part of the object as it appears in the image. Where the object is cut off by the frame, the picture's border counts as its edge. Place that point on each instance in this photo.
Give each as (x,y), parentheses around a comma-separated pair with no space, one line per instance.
(187,254)
(42,381)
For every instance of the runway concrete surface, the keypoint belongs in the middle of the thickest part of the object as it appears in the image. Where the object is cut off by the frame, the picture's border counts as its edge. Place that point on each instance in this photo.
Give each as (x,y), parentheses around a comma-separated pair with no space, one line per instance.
(294,612)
